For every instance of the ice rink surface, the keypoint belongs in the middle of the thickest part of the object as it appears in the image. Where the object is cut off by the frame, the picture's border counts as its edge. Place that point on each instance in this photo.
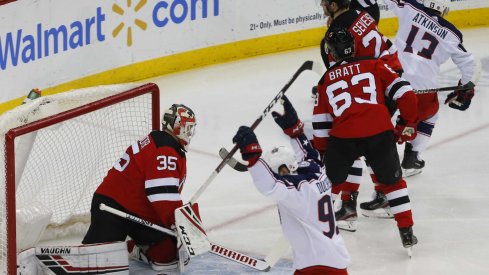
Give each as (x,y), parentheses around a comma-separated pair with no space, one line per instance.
(450,199)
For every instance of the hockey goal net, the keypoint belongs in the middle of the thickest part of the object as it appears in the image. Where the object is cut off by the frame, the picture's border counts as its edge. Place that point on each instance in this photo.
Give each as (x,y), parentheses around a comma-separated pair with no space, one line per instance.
(57,150)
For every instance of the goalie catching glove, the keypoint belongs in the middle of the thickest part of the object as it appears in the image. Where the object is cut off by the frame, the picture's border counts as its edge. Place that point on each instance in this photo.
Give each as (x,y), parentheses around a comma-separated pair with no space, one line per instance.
(404,131)
(461,99)
(289,121)
(248,145)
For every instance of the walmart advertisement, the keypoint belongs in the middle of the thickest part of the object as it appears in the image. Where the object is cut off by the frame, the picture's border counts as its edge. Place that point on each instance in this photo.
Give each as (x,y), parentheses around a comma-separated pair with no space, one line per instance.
(59,40)
(47,43)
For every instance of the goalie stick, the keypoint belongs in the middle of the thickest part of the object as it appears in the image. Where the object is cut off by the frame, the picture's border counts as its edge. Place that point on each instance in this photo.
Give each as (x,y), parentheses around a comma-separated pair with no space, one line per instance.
(234,163)
(471,84)
(280,247)
(216,249)
(307,66)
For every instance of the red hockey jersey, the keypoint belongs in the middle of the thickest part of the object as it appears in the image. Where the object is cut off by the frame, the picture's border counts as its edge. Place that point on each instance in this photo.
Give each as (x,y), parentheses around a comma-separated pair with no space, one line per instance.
(148,178)
(350,101)
(369,42)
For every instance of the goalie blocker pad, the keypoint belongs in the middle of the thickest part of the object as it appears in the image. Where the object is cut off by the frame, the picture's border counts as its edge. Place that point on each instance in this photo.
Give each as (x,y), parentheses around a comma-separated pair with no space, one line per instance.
(190,231)
(106,258)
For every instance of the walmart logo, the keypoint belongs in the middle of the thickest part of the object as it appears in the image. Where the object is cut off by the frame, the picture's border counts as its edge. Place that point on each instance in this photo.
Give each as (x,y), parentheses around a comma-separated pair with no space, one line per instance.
(138,22)
(25,47)
(22,47)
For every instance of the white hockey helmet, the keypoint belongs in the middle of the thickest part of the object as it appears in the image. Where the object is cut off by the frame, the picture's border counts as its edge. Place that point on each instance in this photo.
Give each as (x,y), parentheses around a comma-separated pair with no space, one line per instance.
(442,6)
(280,157)
(180,121)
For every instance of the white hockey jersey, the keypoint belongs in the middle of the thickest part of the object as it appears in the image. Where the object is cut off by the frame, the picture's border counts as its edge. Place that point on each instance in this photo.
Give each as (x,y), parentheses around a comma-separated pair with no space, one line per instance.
(306,208)
(425,41)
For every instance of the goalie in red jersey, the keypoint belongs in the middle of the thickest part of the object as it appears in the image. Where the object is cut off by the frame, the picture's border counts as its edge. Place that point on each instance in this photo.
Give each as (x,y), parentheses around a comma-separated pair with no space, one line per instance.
(351,98)
(146,182)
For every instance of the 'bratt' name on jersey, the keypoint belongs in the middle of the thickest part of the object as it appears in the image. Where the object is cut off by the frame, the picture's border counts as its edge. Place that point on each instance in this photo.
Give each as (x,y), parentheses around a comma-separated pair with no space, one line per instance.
(344,71)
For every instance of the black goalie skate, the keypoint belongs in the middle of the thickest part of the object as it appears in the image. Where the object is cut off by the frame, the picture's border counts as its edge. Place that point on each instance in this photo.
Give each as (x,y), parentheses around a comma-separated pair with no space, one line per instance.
(377,208)
(347,215)
(408,239)
(411,164)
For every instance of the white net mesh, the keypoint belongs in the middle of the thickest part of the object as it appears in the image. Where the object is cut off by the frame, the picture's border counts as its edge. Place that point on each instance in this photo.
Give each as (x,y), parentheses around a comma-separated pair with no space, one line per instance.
(61,165)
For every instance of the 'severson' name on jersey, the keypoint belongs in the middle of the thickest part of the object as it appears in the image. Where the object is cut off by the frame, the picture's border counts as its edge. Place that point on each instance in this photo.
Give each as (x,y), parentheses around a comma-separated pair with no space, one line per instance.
(429,24)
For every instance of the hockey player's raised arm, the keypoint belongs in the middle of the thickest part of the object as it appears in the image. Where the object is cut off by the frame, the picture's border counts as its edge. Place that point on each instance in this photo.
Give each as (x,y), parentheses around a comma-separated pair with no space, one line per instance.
(304,150)
(268,182)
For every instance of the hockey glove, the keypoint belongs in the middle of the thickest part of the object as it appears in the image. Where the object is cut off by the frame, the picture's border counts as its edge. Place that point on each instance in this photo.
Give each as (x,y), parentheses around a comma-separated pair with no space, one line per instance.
(461,99)
(404,131)
(248,145)
(289,122)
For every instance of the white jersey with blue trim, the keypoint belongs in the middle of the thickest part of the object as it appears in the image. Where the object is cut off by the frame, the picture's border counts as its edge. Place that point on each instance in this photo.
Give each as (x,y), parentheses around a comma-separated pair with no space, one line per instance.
(306,208)
(425,41)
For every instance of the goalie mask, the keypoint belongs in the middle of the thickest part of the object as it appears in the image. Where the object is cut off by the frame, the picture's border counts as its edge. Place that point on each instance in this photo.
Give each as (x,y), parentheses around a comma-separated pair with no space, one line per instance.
(281,160)
(180,121)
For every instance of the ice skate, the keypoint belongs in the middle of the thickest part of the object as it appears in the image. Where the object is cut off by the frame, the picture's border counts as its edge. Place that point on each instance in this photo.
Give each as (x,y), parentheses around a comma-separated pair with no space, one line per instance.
(137,253)
(377,208)
(411,164)
(347,215)
(408,239)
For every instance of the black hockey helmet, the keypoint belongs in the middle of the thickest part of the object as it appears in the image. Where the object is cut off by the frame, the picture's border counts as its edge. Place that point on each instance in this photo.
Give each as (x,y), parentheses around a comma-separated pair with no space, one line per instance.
(340,43)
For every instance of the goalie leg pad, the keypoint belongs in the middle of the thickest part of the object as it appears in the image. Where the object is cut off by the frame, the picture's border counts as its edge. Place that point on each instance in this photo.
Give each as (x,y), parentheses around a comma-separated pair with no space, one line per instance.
(27,263)
(106,258)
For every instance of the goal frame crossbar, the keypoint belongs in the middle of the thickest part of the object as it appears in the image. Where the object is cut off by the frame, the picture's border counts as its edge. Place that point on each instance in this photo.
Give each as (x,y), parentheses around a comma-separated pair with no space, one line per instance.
(10,136)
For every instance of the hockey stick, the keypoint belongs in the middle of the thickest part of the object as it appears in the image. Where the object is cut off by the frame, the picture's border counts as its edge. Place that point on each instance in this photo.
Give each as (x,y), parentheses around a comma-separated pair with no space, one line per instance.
(280,247)
(308,65)
(216,249)
(139,220)
(467,86)
(234,163)
(238,257)
(471,84)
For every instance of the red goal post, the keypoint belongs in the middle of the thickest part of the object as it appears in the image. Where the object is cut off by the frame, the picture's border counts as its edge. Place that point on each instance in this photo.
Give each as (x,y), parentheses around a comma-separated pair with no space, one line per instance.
(73,139)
